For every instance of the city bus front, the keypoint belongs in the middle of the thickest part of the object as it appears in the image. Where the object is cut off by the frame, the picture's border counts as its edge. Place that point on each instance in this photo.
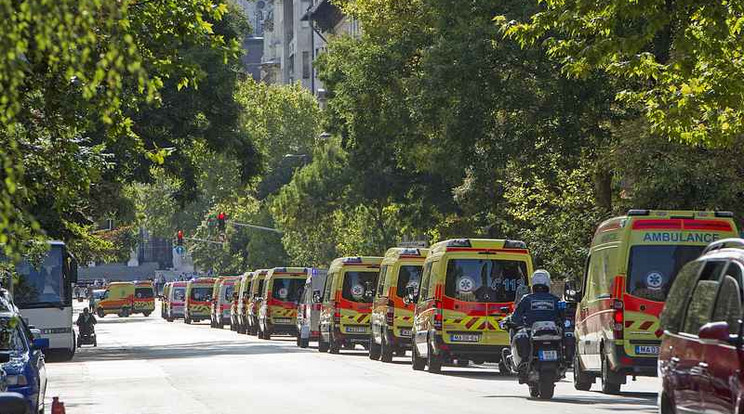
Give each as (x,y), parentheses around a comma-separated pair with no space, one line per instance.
(43,293)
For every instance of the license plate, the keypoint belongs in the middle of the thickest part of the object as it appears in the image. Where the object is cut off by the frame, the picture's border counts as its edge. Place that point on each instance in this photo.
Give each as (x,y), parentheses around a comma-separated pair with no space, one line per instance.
(405,332)
(647,350)
(465,338)
(356,329)
(282,321)
(548,355)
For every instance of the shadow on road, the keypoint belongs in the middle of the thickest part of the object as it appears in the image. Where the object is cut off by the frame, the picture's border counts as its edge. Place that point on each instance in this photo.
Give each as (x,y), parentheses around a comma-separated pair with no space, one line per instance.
(182,351)
(638,402)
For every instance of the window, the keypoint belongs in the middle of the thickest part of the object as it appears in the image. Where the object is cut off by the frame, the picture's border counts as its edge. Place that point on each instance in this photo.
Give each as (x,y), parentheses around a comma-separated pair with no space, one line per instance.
(201,294)
(703,297)
(409,275)
(485,280)
(728,307)
(424,289)
(381,282)
(142,293)
(652,269)
(328,285)
(679,294)
(179,294)
(305,65)
(11,338)
(359,286)
(228,292)
(287,289)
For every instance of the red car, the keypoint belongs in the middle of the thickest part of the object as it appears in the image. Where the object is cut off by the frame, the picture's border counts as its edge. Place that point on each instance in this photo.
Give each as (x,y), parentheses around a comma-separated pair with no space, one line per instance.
(701,360)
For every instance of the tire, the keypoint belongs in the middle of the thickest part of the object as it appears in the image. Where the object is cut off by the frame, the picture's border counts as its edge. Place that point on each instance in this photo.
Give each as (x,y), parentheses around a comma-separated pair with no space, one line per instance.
(417,363)
(608,387)
(582,381)
(298,340)
(101,313)
(187,320)
(322,345)
(304,343)
(219,325)
(433,362)
(124,313)
(146,314)
(387,351)
(170,319)
(534,390)
(463,363)
(374,349)
(546,388)
(334,347)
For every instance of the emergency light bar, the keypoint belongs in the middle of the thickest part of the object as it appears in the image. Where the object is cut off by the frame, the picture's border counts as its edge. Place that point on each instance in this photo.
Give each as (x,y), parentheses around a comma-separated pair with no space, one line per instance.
(515,244)
(459,243)
(353,259)
(410,252)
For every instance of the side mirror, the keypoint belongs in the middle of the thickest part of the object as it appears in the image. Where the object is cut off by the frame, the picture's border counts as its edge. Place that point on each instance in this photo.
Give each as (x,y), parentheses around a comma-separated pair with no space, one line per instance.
(505,309)
(717,331)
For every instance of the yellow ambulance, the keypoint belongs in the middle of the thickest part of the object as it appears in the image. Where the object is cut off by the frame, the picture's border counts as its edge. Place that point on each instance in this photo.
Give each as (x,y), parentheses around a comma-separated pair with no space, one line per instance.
(392,312)
(347,303)
(282,289)
(466,287)
(632,263)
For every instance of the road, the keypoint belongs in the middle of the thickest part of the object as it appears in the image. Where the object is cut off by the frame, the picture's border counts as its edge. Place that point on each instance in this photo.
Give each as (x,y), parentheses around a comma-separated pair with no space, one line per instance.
(147,365)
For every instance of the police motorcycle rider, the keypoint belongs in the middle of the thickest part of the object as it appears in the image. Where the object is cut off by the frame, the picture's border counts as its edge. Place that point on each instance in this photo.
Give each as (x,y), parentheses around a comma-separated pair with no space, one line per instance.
(86,322)
(538,306)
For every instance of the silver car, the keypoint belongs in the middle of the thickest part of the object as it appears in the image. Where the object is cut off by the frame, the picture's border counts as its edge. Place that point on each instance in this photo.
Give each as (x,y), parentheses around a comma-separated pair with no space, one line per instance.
(308,307)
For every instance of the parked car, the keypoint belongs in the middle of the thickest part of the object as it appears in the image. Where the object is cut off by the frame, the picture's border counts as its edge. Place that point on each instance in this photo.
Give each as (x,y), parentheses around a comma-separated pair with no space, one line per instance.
(22,360)
(701,355)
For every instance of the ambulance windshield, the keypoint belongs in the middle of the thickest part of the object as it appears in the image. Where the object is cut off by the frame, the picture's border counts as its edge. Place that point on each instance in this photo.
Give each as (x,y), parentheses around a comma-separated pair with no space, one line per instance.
(652,269)
(485,280)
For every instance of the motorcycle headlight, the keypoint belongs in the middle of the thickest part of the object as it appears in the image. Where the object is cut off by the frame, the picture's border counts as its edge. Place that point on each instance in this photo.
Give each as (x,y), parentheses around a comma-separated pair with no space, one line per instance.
(16,380)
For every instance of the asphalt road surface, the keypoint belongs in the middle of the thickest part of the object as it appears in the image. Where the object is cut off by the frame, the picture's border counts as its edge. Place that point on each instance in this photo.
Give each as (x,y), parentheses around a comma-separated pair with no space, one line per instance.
(147,365)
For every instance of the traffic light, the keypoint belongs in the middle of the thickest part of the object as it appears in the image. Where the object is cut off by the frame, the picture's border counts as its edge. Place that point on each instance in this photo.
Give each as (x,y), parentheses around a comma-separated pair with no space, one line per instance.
(179,237)
(221,221)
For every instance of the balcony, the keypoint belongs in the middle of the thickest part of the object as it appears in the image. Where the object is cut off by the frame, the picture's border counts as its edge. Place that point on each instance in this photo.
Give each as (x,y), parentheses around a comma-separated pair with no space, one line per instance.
(325,15)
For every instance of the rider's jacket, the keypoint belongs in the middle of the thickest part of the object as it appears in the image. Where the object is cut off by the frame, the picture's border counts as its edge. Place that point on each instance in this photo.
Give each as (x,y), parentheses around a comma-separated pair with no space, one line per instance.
(537,307)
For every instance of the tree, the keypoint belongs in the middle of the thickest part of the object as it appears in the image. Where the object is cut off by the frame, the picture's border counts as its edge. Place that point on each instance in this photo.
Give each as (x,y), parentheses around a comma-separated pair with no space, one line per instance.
(679,59)
(72,73)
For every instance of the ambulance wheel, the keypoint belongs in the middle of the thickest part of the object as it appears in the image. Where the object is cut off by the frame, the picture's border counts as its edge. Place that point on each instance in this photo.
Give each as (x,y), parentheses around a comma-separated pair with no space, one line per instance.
(322,345)
(400,352)
(417,363)
(170,319)
(434,362)
(387,351)
(582,381)
(146,314)
(101,313)
(187,320)
(334,347)
(546,387)
(608,385)
(304,343)
(464,363)
(374,350)
(534,390)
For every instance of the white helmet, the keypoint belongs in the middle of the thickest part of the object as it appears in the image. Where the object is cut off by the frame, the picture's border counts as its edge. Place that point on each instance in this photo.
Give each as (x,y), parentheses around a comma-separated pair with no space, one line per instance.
(541,277)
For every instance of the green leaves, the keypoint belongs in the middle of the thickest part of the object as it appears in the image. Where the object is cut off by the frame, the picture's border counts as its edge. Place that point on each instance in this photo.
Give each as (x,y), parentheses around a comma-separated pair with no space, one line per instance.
(683,58)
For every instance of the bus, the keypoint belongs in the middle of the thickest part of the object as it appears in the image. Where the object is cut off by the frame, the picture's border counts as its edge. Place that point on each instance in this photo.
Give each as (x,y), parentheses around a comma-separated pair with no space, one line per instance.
(43,294)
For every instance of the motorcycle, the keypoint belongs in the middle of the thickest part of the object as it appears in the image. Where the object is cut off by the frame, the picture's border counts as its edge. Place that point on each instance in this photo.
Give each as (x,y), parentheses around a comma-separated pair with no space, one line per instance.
(545,363)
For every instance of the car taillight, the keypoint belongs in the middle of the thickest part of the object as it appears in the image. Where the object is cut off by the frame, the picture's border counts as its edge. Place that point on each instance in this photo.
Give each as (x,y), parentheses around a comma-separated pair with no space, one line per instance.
(390,315)
(438,315)
(618,318)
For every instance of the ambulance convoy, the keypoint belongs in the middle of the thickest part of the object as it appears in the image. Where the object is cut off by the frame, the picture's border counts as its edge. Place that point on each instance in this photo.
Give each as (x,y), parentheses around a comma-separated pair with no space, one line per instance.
(444,303)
